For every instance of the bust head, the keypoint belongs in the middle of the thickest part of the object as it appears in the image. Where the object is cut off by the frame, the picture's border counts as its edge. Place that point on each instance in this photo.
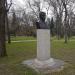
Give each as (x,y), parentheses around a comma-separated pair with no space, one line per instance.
(42,16)
(42,24)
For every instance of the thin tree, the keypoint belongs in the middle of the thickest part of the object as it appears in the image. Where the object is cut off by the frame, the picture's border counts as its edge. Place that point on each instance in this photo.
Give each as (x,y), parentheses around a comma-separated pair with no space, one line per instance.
(52,25)
(14,23)
(6,20)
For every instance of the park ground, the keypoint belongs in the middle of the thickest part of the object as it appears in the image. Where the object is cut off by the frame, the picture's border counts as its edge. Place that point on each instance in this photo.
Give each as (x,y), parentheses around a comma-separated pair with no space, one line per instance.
(20,51)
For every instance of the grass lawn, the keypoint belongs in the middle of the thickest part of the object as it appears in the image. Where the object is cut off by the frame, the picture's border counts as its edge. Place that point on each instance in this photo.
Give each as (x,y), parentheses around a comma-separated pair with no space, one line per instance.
(18,52)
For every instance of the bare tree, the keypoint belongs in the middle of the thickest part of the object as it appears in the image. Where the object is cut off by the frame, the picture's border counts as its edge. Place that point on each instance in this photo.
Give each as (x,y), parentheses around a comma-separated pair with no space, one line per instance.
(66,25)
(14,23)
(35,6)
(60,7)
(2,28)
(58,13)
(7,24)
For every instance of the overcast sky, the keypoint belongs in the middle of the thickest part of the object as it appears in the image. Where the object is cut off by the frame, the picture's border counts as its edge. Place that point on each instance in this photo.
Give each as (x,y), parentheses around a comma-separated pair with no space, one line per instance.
(22,4)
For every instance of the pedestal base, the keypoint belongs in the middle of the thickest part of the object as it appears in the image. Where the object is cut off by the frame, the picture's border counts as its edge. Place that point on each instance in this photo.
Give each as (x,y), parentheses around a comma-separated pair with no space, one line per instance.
(51,65)
(44,64)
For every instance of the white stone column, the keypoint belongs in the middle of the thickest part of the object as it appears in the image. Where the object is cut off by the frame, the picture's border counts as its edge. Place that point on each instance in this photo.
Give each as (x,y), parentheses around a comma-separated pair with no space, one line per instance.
(43,44)
(43,61)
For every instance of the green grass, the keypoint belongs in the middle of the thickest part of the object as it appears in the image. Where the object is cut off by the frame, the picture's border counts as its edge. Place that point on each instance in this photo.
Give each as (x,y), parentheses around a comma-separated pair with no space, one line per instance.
(18,52)
(62,39)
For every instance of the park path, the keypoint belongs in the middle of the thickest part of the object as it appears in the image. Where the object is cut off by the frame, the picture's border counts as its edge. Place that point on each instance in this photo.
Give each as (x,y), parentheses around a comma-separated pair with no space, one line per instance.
(24,41)
(35,40)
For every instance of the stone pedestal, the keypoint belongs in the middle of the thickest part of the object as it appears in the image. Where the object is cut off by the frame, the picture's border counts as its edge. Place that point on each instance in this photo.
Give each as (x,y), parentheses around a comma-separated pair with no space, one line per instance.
(43,44)
(43,62)
(43,59)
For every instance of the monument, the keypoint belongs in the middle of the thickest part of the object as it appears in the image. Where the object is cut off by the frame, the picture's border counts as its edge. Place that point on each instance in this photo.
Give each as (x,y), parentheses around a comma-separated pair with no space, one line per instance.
(43,59)
(43,62)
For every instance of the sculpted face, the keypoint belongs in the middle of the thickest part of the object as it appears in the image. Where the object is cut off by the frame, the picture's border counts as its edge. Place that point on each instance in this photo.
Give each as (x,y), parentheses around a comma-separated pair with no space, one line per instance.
(42,16)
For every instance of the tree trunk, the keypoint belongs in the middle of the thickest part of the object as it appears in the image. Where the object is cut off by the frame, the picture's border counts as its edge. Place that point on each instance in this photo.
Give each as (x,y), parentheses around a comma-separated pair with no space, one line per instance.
(65,22)
(8,31)
(2,29)
(66,37)
(58,27)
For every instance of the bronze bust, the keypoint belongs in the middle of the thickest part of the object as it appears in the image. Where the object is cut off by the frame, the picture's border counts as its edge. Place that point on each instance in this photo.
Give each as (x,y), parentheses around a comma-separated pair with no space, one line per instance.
(41,24)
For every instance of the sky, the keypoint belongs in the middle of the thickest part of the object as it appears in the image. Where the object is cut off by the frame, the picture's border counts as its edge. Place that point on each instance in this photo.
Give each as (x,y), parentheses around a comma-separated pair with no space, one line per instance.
(17,3)
(21,4)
